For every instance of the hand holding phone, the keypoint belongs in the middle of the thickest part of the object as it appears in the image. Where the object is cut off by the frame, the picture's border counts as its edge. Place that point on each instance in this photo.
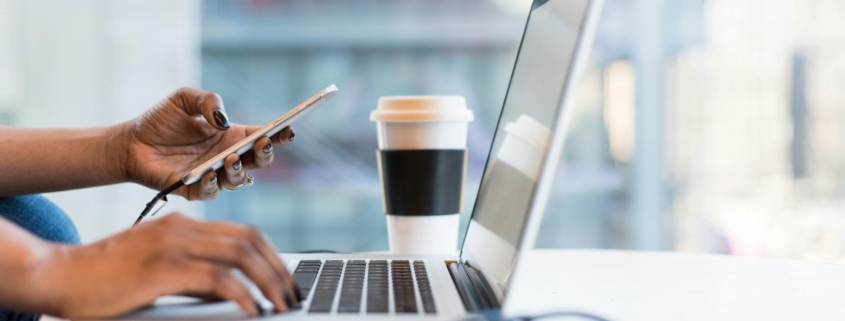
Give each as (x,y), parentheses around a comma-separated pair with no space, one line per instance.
(271,129)
(239,148)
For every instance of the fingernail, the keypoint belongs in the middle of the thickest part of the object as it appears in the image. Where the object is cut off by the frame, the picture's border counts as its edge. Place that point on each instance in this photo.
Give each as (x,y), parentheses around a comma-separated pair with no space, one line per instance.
(258,309)
(298,292)
(221,119)
(268,148)
(213,181)
(288,299)
(292,135)
(237,165)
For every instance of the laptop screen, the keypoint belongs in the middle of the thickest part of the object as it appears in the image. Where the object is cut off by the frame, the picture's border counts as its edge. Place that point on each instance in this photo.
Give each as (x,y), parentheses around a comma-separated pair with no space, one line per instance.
(522,137)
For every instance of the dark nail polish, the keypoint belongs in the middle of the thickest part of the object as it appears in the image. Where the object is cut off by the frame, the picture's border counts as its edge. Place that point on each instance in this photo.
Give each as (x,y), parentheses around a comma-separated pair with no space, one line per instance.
(298,292)
(213,181)
(237,165)
(268,148)
(292,135)
(288,300)
(221,119)
(258,309)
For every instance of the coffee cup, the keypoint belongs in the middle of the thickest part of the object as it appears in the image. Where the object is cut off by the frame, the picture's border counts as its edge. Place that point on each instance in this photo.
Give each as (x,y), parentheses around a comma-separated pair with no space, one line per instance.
(422,166)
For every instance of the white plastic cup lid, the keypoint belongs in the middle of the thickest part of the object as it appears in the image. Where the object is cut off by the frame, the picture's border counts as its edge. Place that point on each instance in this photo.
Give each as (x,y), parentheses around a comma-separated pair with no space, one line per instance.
(421,109)
(530,131)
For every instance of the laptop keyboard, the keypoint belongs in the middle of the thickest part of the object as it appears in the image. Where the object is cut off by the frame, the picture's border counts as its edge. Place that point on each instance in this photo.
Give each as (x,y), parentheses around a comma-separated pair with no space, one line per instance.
(408,281)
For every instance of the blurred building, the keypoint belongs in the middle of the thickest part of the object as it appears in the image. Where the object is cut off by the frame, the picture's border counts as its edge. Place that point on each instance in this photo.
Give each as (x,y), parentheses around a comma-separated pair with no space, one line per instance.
(757,146)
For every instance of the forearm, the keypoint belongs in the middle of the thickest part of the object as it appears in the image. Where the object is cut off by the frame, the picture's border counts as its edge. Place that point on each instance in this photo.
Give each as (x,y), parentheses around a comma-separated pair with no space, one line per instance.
(48,160)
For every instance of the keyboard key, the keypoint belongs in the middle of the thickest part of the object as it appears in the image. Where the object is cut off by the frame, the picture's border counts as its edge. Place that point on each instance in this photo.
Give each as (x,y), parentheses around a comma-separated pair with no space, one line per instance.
(377,287)
(326,288)
(305,275)
(404,298)
(351,291)
(424,287)
(304,280)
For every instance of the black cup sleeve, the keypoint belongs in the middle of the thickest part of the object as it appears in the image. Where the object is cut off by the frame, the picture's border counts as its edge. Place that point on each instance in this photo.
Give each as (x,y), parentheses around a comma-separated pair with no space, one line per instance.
(422,182)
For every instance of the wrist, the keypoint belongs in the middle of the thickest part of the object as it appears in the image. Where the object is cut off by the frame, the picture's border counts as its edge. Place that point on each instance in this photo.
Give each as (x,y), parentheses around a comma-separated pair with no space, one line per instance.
(116,150)
(63,278)
(41,281)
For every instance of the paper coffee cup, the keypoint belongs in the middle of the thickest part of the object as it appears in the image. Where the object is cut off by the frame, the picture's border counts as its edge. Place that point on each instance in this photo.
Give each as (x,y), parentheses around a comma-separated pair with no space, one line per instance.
(421,122)
(422,165)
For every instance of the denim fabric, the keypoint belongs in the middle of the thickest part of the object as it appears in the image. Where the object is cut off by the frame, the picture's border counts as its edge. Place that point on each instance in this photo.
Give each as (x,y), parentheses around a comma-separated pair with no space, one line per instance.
(18,316)
(41,217)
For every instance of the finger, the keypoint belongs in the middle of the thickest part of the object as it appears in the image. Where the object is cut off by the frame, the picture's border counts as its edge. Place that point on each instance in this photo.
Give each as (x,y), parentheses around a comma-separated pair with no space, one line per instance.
(270,250)
(198,102)
(207,280)
(267,250)
(256,237)
(282,138)
(207,188)
(228,287)
(262,153)
(234,169)
(238,252)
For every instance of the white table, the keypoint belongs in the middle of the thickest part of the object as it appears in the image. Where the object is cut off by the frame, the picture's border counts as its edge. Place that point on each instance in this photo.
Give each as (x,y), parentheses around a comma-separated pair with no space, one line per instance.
(628,286)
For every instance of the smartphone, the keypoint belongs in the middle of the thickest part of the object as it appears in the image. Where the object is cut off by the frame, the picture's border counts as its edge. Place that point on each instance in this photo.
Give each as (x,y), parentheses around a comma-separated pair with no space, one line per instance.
(248,143)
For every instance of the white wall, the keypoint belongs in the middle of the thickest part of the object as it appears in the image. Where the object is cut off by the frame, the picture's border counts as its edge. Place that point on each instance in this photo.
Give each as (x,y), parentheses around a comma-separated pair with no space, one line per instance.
(94,63)
(8,89)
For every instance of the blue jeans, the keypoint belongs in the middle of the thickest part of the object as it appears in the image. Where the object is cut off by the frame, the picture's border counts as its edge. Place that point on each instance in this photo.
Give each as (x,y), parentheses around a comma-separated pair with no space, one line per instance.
(41,217)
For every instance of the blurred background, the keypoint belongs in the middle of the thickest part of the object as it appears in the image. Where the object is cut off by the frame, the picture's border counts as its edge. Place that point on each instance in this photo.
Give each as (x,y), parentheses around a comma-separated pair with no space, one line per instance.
(712,126)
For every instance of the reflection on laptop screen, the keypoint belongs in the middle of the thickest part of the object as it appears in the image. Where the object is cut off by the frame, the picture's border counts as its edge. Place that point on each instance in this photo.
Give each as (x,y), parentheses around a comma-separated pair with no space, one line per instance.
(522,137)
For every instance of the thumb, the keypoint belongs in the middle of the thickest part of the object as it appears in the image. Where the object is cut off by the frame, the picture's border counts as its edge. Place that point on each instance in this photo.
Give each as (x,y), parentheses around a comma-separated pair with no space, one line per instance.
(196,102)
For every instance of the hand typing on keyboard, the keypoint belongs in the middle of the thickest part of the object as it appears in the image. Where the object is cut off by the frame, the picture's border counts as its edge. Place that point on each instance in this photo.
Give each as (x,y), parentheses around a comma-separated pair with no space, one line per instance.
(170,256)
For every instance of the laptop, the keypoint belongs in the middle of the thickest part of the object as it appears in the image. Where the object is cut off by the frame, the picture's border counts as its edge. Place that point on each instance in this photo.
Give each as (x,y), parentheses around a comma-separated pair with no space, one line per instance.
(505,219)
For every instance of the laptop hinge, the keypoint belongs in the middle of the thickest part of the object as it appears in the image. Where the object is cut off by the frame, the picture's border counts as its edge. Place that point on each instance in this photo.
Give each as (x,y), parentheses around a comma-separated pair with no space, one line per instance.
(474,290)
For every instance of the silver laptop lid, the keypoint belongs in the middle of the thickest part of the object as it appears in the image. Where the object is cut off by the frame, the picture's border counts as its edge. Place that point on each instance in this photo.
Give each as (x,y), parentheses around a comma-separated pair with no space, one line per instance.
(529,137)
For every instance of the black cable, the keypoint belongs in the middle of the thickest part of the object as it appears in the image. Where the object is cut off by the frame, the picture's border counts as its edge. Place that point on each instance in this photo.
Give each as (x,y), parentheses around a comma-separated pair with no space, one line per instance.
(560,314)
(321,251)
(161,196)
(172,188)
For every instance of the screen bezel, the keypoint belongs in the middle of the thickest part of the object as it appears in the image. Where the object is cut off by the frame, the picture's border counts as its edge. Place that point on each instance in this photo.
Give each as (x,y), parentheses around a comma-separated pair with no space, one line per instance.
(542,188)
